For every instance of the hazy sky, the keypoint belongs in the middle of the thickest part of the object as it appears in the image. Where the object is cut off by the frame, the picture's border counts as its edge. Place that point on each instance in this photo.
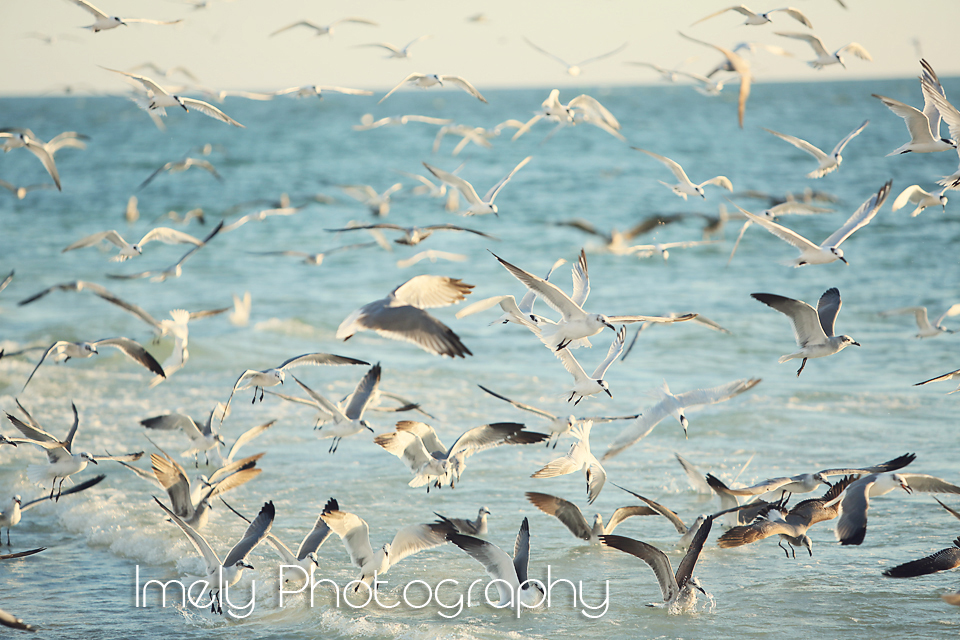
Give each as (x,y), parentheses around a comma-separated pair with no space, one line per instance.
(228,44)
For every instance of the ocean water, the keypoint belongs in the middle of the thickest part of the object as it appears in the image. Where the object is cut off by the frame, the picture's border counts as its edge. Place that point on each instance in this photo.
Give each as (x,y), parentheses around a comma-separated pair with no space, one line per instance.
(855,408)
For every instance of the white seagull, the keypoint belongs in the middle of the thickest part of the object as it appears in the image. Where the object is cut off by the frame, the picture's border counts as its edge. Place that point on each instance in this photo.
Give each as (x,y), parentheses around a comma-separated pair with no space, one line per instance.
(165,235)
(227,573)
(182,165)
(739,65)
(828,163)
(470,527)
(927,330)
(378,203)
(813,328)
(584,385)
(924,126)
(10,517)
(159,99)
(578,458)
(311,90)
(201,439)
(947,376)
(425,80)
(349,421)
(755,19)
(915,195)
(324,29)
(824,57)
(574,69)
(63,351)
(402,316)
(675,405)
(685,187)
(396,52)
(37,148)
(952,117)
(829,250)
(572,518)
(478,206)
(104,22)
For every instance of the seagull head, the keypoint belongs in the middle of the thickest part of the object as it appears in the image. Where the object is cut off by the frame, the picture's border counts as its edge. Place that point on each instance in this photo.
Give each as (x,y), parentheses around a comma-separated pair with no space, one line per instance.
(137,248)
(366,425)
(313,558)
(219,438)
(88,457)
(847,340)
(437,78)
(684,423)
(695,583)
(902,482)
(244,564)
(597,521)
(700,192)
(484,511)
(118,20)
(606,388)
(822,479)
(837,251)
(17,500)
(89,348)
(279,375)
(840,60)
(180,102)
(601,319)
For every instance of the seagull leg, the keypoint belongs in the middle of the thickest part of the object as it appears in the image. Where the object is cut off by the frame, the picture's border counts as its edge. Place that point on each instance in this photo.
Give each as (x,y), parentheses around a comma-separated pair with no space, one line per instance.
(578,400)
(53,487)
(261,394)
(254,396)
(780,544)
(802,365)
(8,537)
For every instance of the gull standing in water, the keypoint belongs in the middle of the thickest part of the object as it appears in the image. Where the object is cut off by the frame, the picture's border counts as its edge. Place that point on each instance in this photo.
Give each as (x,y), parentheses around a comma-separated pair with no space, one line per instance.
(478,206)
(685,187)
(127,250)
(572,518)
(828,163)
(813,328)
(675,405)
(946,376)
(228,572)
(409,540)
(509,574)
(424,80)
(272,377)
(678,589)
(829,250)
(63,351)
(574,69)
(402,316)
(578,458)
(159,99)
(927,330)
(349,421)
(824,57)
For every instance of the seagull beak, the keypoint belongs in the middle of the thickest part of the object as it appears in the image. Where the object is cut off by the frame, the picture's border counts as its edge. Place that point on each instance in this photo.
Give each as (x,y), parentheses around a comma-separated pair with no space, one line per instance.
(906,487)
(856,344)
(94,461)
(827,483)
(608,392)
(845,261)
(610,326)
(700,589)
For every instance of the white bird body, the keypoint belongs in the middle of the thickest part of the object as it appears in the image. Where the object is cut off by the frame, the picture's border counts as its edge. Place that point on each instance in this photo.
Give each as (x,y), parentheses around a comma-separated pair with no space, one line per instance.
(755,19)
(584,385)
(578,458)
(828,163)
(915,195)
(825,58)
(426,80)
(685,187)
(927,330)
(478,206)
(127,250)
(348,421)
(103,22)
(159,99)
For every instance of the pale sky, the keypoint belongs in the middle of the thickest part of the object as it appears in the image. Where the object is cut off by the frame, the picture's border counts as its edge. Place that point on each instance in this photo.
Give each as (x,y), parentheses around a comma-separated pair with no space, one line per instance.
(228,45)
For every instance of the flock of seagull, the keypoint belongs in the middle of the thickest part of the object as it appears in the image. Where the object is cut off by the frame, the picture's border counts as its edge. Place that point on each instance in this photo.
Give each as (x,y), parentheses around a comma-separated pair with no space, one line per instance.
(403,314)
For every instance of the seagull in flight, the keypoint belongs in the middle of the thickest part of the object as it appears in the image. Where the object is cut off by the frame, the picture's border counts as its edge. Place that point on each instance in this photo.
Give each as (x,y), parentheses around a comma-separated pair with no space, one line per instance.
(824,57)
(829,250)
(924,126)
(742,68)
(396,52)
(34,146)
(201,438)
(103,22)
(159,99)
(916,195)
(180,166)
(478,206)
(348,421)
(584,385)
(578,458)
(311,90)
(828,163)
(813,328)
(63,350)
(325,29)
(572,518)
(423,81)
(947,376)
(927,330)
(415,235)
(685,187)
(756,19)
(574,69)
(165,235)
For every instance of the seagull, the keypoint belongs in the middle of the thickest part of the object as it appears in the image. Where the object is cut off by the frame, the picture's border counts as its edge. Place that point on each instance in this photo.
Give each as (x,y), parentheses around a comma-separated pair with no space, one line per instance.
(326,29)
(272,377)
(432,255)
(173,271)
(824,57)
(166,73)
(578,458)
(103,22)
(316,259)
(789,207)
(240,316)
(522,312)
(423,81)
(584,385)
(418,446)
(946,376)
(415,235)
(927,330)
(378,203)
(470,527)
(915,195)
(559,425)
(677,589)
(409,540)
(685,187)
(349,421)
(617,242)
(646,326)
(510,575)
(63,351)
(478,206)
(367,122)
(670,75)
(477,135)
(572,518)
(180,166)
(306,556)
(829,250)
(21,192)
(741,67)
(791,526)
(260,216)
(642,251)
(924,126)
(165,235)
(576,323)
(159,99)
(18,140)
(675,405)
(583,108)
(396,52)
(934,92)
(62,461)
(227,573)
(828,163)
(574,69)
(10,517)
(402,316)
(943,560)
(813,328)
(242,439)
(201,439)
(311,90)
(6,281)
(755,19)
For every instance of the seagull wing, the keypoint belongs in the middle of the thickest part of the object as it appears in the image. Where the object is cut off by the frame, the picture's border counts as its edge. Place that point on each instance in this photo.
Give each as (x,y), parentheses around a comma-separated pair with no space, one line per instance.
(696,477)
(461,185)
(428,292)
(637,429)
(362,394)
(199,543)
(685,570)
(946,376)
(410,78)
(495,561)
(662,510)
(581,281)
(47,160)
(656,559)
(89,7)
(110,236)
(547,53)
(208,109)
(520,405)
(254,534)
(495,189)
(319,534)
(918,124)
(616,348)
(134,351)
(850,136)
(815,42)
(806,323)
(299,23)
(856,49)
(852,526)
(828,308)
(782,232)
(327,406)
(670,164)
(884,467)
(551,294)
(354,532)
(566,512)
(929,484)
(942,560)
(860,218)
(417,537)
(174,481)
(657,319)
(466,86)
(329,359)
(800,144)
(247,436)
(83,486)
(56,346)
(604,55)
(169,236)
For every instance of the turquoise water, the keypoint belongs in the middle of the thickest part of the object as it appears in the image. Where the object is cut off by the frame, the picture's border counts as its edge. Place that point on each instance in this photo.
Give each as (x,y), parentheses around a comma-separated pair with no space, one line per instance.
(855,408)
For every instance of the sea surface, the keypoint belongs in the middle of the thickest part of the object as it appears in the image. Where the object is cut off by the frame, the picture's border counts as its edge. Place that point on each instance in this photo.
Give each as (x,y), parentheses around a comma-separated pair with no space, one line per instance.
(855,408)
